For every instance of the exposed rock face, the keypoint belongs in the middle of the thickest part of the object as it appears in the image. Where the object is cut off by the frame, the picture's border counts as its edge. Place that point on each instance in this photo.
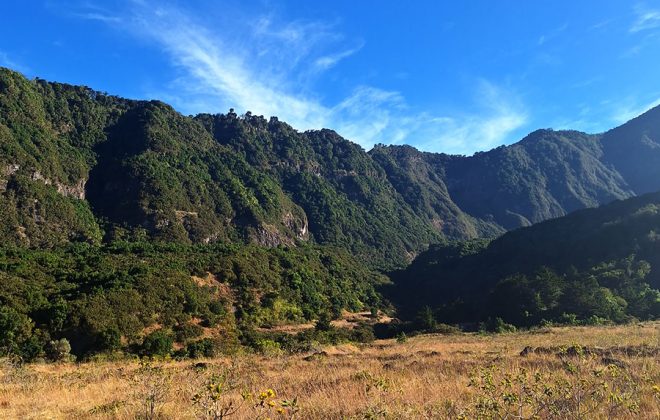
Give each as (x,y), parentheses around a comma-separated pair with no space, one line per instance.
(269,235)
(6,173)
(74,191)
(298,225)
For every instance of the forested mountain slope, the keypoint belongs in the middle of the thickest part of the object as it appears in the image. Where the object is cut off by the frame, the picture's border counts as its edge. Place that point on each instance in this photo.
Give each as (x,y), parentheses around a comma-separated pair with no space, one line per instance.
(603,261)
(80,165)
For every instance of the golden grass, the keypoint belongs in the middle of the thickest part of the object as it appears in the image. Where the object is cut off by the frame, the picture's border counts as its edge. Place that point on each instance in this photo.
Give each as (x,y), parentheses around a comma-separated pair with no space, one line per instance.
(386,379)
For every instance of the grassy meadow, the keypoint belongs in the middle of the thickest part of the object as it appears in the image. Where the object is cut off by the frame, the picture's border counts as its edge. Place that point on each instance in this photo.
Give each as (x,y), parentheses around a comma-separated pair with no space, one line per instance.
(558,372)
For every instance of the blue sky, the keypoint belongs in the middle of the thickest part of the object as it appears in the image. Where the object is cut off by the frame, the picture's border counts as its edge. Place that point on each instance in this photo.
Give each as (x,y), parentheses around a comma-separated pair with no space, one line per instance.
(444,76)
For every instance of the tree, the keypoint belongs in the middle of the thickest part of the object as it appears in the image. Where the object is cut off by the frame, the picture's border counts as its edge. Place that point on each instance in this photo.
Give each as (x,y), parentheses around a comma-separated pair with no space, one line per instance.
(426,319)
(15,330)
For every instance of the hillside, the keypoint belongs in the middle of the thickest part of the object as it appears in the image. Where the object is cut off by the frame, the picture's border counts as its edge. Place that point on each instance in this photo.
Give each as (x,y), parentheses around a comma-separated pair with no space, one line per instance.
(569,265)
(80,165)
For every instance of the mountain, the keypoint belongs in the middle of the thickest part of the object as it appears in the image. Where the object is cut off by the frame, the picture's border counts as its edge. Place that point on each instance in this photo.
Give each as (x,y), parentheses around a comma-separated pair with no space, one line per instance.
(80,165)
(547,174)
(614,247)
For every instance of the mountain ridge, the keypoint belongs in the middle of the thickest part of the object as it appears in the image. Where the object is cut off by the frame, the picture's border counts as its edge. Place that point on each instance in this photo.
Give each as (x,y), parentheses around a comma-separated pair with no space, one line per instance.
(77,164)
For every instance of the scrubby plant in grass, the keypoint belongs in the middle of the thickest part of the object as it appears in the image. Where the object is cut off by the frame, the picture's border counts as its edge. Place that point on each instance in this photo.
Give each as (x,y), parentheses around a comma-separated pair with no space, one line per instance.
(323,323)
(584,388)
(109,340)
(151,385)
(268,347)
(214,401)
(425,320)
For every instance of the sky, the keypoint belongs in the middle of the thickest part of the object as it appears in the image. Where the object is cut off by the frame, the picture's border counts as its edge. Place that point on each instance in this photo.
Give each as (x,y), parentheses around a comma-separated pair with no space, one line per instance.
(444,76)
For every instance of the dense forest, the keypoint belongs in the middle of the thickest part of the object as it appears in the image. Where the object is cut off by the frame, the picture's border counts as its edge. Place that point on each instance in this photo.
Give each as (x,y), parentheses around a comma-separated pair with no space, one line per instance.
(80,165)
(594,263)
(145,298)
(130,228)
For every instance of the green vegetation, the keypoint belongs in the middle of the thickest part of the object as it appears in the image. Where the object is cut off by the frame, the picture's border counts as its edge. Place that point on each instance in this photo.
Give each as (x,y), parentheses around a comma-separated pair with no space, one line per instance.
(592,266)
(129,228)
(143,298)
(78,165)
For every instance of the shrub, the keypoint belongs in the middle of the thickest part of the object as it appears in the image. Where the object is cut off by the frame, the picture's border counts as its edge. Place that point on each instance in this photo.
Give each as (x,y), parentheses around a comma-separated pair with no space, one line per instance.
(584,389)
(323,323)
(60,350)
(268,347)
(496,325)
(205,347)
(363,333)
(158,343)
(187,331)
(447,329)
(425,319)
(15,329)
(109,340)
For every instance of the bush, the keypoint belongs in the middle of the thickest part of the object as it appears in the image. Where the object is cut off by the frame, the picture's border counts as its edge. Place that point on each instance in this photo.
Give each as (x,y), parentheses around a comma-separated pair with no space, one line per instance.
(363,333)
(323,323)
(568,319)
(187,331)
(425,319)
(205,347)
(268,347)
(109,340)
(158,343)
(447,329)
(60,350)
(15,329)
(496,325)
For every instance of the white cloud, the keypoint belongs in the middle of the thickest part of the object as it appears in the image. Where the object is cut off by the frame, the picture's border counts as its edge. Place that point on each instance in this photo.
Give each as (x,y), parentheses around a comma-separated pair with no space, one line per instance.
(98,17)
(631,108)
(543,39)
(6,61)
(262,67)
(501,114)
(645,19)
(328,61)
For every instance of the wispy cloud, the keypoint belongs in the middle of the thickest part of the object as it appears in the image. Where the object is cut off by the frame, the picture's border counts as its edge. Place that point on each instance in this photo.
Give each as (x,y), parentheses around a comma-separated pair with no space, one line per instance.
(264,67)
(552,34)
(328,61)
(632,108)
(106,18)
(6,61)
(500,114)
(645,31)
(601,24)
(645,19)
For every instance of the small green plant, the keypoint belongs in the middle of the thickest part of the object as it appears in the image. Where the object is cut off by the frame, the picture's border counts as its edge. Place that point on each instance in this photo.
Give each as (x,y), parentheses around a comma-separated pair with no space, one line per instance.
(582,390)
(373,383)
(267,405)
(214,401)
(152,384)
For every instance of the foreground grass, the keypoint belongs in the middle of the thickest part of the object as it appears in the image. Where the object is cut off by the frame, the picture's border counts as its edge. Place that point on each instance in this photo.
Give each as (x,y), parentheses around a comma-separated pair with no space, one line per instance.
(616,375)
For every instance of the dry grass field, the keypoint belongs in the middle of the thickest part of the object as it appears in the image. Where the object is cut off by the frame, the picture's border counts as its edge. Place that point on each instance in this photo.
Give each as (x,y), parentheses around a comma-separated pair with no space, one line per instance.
(614,372)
